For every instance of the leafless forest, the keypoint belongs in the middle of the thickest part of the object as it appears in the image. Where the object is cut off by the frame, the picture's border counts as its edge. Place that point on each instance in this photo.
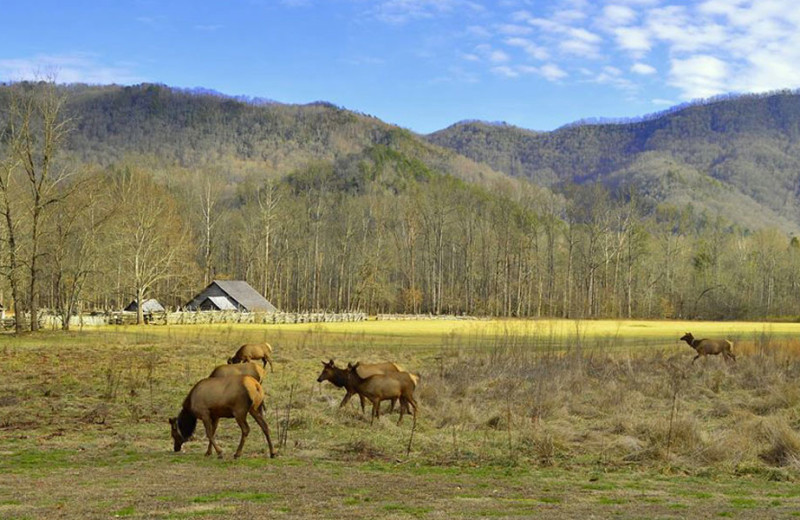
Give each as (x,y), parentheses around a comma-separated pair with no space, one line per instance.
(385,233)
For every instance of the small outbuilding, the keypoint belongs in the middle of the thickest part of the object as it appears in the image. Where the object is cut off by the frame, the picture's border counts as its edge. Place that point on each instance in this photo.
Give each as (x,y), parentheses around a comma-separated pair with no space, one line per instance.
(230,295)
(148,306)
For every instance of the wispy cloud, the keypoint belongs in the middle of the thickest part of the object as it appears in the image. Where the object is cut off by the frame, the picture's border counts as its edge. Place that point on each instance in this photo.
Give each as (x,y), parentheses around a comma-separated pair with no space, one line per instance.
(711,46)
(643,69)
(403,11)
(69,68)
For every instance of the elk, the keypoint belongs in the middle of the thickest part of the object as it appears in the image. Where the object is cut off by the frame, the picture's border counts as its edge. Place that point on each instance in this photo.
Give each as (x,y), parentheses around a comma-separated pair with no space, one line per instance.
(251,351)
(216,397)
(240,369)
(705,347)
(380,387)
(338,377)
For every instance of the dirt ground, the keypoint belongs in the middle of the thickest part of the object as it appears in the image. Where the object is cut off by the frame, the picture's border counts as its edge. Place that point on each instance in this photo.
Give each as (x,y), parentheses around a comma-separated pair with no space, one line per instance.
(188,485)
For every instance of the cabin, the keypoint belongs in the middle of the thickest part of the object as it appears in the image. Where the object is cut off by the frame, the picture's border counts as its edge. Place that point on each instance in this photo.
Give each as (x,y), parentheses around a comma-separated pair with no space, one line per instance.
(149,306)
(230,295)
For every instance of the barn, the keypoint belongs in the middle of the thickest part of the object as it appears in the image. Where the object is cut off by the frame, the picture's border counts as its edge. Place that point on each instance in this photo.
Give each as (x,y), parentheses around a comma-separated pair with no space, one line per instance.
(230,295)
(148,306)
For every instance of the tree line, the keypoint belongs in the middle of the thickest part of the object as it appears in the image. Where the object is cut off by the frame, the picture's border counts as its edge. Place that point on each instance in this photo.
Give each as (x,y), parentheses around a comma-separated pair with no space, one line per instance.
(376,231)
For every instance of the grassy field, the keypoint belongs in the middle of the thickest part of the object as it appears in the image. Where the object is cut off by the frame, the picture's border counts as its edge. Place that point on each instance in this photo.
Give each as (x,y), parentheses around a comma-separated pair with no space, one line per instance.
(517,418)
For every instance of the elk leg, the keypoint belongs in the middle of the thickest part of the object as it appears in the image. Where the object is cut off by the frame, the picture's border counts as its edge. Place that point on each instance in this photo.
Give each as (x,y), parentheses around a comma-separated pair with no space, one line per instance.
(214,423)
(242,421)
(208,424)
(363,403)
(376,410)
(265,428)
(695,358)
(346,399)
(403,406)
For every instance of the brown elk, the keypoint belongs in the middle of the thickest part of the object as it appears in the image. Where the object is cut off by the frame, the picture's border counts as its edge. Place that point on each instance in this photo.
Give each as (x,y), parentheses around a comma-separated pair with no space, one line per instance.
(216,397)
(339,378)
(380,387)
(712,347)
(239,369)
(251,351)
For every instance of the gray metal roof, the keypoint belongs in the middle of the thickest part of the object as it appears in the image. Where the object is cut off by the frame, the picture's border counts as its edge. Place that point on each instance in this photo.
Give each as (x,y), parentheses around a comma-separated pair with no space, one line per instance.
(245,295)
(149,305)
(222,303)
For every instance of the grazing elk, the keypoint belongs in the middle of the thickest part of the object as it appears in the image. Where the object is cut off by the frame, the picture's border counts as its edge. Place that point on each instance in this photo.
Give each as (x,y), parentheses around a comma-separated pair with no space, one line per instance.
(706,347)
(216,397)
(240,369)
(380,387)
(339,378)
(251,351)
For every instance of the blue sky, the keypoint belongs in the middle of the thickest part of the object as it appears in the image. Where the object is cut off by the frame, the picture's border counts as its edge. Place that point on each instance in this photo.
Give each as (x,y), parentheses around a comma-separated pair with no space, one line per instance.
(420,64)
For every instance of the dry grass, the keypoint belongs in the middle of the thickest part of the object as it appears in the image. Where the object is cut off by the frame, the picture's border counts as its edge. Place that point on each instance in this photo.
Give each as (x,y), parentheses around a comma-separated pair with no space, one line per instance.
(490,395)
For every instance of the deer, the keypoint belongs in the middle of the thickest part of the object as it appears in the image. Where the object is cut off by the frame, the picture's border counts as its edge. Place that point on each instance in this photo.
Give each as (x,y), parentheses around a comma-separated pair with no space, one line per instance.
(705,347)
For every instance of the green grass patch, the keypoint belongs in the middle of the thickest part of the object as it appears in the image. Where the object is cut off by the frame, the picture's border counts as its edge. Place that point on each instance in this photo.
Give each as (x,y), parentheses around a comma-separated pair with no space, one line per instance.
(36,460)
(744,503)
(125,511)
(612,500)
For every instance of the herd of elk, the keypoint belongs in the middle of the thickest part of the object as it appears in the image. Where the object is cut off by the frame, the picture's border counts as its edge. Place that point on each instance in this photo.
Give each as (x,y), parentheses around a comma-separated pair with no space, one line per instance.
(234,390)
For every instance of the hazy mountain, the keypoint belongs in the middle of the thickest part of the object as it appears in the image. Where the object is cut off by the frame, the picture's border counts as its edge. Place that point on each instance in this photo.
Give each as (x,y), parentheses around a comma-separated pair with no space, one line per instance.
(738,156)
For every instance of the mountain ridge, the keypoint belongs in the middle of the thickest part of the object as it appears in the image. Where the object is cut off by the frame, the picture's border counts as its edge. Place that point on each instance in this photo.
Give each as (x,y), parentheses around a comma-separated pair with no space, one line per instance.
(750,144)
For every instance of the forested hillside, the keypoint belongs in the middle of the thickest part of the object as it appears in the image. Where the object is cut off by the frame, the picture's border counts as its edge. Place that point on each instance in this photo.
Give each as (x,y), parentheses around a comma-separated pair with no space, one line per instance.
(738,157)
(181,128)
(108,194)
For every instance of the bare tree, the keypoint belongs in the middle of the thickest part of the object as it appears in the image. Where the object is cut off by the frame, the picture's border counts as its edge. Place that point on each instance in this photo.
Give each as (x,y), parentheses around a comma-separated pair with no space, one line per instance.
(36,130)
(152,240)
(74,250)
(10,199)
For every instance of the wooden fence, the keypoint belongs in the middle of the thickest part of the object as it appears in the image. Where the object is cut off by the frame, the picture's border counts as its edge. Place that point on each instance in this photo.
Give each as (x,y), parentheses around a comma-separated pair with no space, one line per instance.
(49,321)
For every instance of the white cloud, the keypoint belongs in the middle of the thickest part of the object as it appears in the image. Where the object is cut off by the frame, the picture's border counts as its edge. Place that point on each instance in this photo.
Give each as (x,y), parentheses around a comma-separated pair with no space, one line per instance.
(498,57)
(530,48)
(615,15)
(504,70)
(633,39)
(699,76)
(663,102)
(701,47)
(552,72)
(69,68)
(643,69)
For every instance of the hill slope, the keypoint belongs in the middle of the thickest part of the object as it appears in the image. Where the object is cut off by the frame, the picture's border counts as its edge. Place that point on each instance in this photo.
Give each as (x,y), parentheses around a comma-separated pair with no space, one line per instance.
(191,129)
(739,157)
